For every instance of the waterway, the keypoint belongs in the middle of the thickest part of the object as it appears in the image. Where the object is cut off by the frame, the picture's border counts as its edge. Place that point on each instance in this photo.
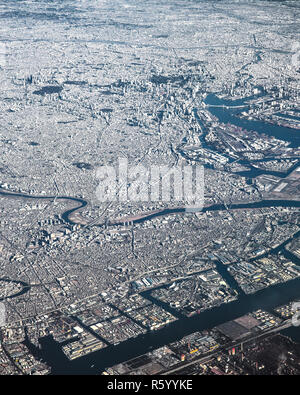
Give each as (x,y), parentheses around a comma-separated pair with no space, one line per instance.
(219,207)
(65,215)
(229,115)
(266,299)
(96,362)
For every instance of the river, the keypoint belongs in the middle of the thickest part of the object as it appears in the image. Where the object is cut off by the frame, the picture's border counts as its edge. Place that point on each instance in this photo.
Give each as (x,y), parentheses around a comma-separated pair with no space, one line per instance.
(226,115)
(266,299)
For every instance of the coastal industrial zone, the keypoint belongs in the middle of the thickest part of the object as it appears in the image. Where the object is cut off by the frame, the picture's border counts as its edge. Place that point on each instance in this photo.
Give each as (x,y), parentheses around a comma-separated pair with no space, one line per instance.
(136,286)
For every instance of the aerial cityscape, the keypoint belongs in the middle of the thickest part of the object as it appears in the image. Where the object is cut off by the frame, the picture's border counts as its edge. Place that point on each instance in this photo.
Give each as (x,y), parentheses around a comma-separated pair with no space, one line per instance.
(149,188)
